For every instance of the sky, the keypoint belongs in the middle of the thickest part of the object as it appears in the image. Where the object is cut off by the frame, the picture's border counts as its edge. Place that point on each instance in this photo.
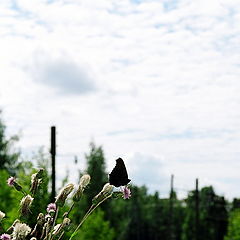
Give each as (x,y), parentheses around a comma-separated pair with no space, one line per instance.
(155,82)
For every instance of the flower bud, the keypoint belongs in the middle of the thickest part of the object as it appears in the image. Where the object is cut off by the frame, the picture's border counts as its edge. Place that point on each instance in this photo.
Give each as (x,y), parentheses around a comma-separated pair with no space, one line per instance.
(84,180)
(105,193)
(40,173)
(2,215)
(37,231)
(11,181)
(65,191)
(5,237)
(40,219)
(66,224)
(25,204)
(107,189)
(34,183)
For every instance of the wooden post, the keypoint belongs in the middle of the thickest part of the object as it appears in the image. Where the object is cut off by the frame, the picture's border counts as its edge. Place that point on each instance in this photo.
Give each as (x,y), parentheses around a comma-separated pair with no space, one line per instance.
(196,211)
(171,228)
(53,157)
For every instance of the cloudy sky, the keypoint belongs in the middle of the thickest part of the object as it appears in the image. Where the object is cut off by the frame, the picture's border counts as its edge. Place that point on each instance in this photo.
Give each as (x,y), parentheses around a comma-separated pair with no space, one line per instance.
(155,82)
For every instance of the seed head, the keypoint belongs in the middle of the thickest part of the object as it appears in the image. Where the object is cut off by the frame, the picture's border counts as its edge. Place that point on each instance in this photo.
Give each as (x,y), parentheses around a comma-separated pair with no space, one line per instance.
(2,215)
(25,204)
(65,191)
(105,193)
(84,180)
(66,224)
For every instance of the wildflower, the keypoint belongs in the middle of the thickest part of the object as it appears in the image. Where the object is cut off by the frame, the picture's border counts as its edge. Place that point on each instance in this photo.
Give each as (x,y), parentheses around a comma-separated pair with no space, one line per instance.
(20,231)
(107,188)
(5,237)
(65,191)
(39,226)
(84,181)
(40,173)
(51,208)
(2,215)
(36,180)
(25,204)
(126,192)
(104,194)
(65,224)
(11,181)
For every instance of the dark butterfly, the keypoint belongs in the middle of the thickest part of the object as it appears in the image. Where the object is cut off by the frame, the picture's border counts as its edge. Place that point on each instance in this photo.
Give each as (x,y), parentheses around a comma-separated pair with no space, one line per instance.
(119,177)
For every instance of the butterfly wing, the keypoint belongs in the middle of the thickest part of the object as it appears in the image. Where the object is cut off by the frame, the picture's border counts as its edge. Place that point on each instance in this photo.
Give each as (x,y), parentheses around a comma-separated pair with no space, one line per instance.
(119,177)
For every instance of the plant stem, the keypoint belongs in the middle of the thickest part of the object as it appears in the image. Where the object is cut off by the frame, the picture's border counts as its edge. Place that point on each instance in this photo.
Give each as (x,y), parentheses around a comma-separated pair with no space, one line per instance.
(90,210)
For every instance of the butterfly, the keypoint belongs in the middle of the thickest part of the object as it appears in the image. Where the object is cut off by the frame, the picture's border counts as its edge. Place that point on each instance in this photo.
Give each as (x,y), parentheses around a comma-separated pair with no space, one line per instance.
(119,177)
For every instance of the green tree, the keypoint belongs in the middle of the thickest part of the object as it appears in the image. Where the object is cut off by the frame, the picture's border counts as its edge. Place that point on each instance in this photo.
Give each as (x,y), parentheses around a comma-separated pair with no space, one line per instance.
(8,155)
(95,227)
(233,232)
(212,216)
(96,169)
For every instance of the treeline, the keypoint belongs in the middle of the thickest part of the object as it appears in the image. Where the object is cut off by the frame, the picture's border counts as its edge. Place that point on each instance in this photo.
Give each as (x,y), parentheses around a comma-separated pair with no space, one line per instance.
(203,215)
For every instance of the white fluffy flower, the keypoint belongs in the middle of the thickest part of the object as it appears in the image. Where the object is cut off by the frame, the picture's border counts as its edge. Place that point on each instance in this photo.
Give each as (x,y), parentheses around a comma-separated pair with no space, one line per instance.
(2,215)
(25,204)
(20,231)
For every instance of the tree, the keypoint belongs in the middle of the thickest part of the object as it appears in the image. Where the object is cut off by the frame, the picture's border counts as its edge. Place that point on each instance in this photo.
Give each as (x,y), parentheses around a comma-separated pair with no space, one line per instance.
(8,156)
(213,216)
(95,227)
(96,169)
(233,232)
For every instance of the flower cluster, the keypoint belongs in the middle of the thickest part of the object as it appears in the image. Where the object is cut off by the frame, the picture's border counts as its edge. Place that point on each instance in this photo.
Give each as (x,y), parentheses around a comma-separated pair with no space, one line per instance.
(45,227)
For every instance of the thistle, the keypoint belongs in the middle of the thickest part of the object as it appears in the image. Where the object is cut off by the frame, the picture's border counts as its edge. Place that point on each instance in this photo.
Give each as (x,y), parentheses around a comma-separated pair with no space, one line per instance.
(84,181)
(25,205)
(64,192)
(51,208)
(5,237)
(106,192)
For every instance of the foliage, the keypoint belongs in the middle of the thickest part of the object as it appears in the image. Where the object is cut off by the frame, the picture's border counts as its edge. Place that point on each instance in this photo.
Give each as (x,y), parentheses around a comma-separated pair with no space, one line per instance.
(233,232)
(96,169)
(212,216)
(95,227)
(8,155)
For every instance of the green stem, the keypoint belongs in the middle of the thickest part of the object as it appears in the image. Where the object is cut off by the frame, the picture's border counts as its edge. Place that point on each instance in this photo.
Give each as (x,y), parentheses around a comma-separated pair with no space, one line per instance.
(69,210)
(90,210)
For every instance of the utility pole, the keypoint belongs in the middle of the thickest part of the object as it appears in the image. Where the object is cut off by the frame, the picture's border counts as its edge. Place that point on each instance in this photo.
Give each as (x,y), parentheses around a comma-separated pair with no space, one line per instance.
(171,229)
(53,157)
(196,211)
